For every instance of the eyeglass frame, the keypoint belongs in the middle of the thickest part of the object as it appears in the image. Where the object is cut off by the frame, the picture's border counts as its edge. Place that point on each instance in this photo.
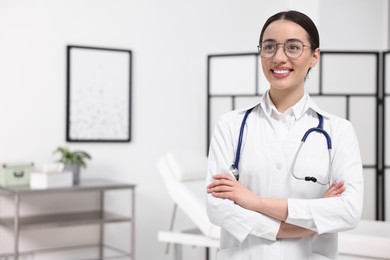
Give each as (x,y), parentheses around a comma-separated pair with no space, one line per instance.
(284,48)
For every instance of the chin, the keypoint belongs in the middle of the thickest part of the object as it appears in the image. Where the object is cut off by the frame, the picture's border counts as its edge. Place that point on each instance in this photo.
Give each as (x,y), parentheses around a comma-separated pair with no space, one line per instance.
(280,85)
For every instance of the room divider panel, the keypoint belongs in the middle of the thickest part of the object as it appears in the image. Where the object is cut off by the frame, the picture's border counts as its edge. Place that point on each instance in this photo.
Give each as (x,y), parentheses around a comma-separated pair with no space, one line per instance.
(386,126)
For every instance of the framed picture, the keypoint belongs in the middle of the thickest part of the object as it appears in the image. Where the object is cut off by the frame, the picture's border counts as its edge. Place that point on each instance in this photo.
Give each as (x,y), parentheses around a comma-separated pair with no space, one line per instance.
(98,107)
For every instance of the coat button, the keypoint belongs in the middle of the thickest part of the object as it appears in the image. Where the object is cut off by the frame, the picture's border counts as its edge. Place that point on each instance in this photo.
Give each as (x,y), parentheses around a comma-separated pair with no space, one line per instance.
(278,166)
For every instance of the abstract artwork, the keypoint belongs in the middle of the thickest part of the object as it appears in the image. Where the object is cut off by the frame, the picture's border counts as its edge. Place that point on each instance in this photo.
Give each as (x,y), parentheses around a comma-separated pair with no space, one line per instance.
(98,94)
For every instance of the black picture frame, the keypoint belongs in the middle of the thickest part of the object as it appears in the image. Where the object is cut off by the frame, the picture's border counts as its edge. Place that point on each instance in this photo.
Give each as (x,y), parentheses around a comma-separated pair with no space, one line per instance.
(98,94)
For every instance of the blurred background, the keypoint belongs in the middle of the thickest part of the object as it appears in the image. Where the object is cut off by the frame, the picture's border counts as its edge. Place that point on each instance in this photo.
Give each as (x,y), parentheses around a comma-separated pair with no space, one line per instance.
(170,41)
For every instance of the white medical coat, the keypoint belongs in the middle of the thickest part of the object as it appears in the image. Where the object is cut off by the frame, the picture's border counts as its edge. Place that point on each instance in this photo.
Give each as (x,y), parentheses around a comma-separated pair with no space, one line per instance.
(265,168)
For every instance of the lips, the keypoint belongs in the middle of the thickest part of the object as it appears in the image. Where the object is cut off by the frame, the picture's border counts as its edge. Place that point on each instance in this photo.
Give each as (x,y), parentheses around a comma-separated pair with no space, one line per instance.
(281,73)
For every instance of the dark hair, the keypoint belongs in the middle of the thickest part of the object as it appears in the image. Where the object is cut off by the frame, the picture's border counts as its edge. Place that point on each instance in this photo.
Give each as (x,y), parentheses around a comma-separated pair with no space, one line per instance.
(299,18)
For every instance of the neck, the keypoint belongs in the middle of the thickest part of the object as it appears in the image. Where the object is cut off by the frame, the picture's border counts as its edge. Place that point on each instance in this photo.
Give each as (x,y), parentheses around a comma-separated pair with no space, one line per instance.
(284,99)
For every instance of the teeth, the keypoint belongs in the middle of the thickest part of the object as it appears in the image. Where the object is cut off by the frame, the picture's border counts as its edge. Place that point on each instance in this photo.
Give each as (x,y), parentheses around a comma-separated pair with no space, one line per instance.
(281,71)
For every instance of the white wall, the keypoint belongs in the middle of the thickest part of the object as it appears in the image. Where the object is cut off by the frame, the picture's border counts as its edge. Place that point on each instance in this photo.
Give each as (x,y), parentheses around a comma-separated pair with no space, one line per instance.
(170,41)
(354,25)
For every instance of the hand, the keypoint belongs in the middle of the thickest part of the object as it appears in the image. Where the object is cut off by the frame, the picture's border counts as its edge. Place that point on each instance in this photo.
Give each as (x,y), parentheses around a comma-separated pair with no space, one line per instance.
(227,187)
(335,190)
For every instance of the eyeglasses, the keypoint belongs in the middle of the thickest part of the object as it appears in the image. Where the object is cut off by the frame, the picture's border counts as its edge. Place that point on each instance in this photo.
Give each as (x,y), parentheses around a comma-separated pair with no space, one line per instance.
(292,48)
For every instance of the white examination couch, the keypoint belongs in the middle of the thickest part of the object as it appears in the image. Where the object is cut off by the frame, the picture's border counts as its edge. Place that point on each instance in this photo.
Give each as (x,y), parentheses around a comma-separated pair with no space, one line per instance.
(370,240)
(184,175)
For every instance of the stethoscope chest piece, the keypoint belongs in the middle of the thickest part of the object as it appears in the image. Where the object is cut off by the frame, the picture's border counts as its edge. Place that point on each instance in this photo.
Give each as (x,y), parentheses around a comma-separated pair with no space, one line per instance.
(235,172)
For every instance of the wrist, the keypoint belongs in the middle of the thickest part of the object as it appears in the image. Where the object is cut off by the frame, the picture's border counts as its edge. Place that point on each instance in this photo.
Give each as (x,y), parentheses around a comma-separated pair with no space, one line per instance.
(273,207)
(260,204)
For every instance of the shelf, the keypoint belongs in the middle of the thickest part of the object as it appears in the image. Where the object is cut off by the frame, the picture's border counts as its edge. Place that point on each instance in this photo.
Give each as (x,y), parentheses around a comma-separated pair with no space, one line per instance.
(65,219)
(85,185)
(43,221)
(89,252)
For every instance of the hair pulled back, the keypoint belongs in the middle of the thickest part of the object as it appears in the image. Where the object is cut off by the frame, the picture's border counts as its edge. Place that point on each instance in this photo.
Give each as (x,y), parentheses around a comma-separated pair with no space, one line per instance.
(299,18)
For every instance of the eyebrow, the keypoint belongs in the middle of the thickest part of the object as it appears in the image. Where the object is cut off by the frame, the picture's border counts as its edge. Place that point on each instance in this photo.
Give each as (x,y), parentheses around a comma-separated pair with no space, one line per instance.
(288,40)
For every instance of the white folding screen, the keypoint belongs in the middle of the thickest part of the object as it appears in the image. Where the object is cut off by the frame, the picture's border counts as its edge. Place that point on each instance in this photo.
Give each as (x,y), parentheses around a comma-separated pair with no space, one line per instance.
(387,193)
(233,75)
(343,83)
(349,73)
(386,94)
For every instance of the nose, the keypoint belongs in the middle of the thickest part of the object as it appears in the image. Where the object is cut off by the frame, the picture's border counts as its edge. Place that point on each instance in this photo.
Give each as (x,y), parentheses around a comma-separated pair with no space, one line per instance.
(280,54)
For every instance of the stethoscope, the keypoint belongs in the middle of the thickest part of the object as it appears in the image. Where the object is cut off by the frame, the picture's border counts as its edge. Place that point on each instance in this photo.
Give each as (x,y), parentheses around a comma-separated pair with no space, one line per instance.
(319,128)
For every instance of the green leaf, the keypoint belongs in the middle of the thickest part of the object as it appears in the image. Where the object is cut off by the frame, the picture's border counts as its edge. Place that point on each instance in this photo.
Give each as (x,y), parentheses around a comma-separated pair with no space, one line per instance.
(76,157)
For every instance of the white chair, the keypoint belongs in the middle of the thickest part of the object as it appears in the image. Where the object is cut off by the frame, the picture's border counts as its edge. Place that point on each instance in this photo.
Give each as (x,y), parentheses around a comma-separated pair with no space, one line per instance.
(184,176)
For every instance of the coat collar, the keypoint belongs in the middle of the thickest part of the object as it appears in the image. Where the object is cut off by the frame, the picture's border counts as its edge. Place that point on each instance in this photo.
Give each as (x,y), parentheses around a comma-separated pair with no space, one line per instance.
(309,104)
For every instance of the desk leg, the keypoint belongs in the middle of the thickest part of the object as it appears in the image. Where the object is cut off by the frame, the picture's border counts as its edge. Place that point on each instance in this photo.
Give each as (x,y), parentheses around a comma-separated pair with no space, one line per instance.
(16,226)
(101,228)
(178,252)
(132,224)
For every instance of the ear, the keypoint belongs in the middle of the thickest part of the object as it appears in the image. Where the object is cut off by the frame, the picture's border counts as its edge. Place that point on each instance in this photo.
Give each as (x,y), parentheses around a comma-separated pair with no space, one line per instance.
(315,57)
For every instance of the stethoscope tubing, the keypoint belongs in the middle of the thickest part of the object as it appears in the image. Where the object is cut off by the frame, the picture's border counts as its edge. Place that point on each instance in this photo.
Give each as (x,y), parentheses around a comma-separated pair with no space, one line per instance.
(310,178)
(238,153)
(320,128)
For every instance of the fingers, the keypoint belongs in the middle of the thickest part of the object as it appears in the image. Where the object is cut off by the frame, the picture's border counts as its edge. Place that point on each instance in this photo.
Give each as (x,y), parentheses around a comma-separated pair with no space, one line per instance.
(222,195)
(331,192)
(224,176)
(219,186)
(335,190)
(221,180)
(338,184)
(222,187)
(338,188)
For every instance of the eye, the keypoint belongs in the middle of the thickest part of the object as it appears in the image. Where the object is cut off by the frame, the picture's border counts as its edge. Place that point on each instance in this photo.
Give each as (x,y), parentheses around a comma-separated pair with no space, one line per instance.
(294,46)
(268,47)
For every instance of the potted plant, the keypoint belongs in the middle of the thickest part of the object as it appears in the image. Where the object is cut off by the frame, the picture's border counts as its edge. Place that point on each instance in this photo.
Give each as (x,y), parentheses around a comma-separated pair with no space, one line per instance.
(73,161)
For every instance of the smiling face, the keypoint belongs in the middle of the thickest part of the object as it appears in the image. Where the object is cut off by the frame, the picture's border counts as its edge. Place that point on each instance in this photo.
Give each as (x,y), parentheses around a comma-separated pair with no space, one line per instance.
(286,74)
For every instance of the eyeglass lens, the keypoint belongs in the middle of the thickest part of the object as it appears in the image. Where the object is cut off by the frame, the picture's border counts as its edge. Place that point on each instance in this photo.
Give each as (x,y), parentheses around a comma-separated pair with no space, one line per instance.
(292,49)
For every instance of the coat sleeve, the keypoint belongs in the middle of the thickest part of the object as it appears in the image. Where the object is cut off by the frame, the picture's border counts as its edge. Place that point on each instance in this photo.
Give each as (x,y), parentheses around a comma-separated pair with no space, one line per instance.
(236,220)
(328,215)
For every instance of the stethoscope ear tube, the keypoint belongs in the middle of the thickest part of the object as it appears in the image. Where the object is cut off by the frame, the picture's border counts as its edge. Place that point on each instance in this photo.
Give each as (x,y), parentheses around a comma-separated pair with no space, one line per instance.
(234,167)
(322,131)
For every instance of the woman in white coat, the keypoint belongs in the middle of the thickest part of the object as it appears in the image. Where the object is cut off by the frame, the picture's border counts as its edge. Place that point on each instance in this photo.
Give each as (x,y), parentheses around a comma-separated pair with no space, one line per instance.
(271,212)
